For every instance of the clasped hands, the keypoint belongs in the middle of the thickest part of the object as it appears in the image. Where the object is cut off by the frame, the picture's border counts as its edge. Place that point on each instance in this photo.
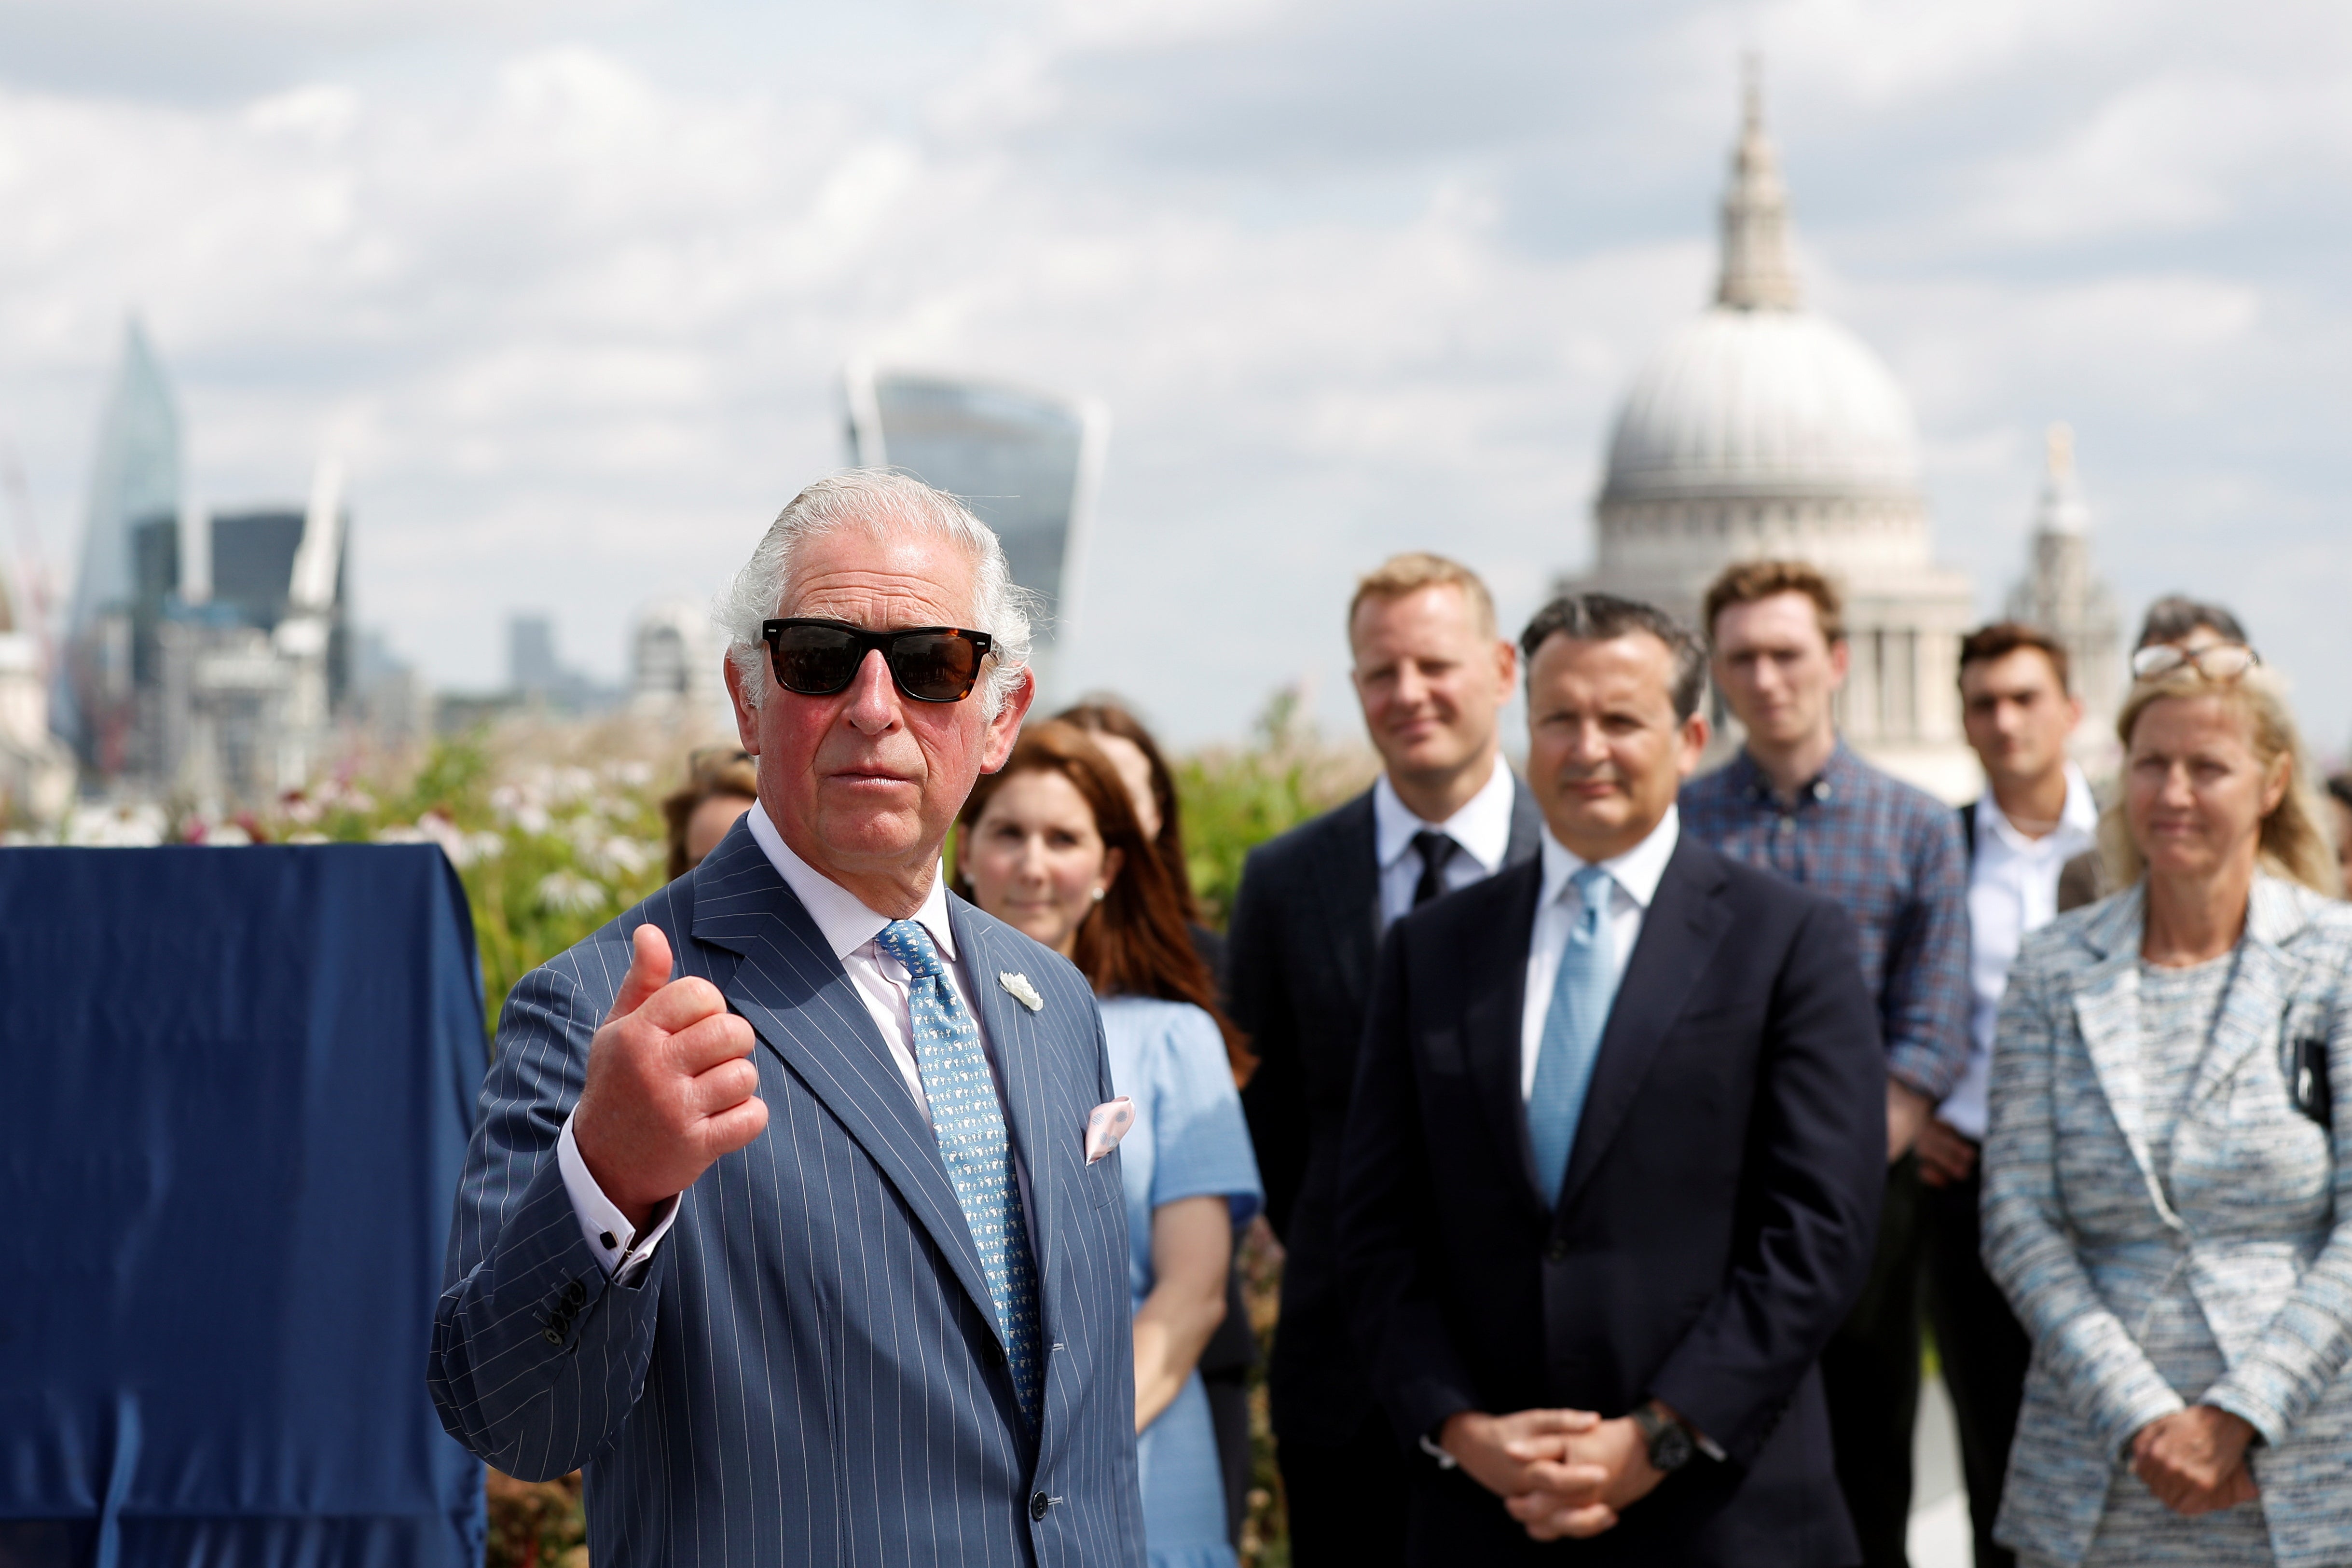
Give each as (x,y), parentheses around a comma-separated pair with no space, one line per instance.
(1560,1473)
(2194,1460)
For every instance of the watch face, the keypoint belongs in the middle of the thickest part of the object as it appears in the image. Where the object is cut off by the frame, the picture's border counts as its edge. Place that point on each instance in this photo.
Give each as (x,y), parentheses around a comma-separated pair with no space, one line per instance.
(1671,1448)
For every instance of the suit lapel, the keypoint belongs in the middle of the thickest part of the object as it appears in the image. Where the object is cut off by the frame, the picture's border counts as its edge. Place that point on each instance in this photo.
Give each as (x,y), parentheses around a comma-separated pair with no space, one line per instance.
(2264,982)
(1680,932)
(800,1000)
(1526,826)
(1020,1057)
(2106,1011)
(1494,973)
(1349,881)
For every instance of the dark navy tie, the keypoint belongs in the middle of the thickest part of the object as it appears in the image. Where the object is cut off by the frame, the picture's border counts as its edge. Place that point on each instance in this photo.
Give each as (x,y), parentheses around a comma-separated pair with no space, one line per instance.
(1437,850)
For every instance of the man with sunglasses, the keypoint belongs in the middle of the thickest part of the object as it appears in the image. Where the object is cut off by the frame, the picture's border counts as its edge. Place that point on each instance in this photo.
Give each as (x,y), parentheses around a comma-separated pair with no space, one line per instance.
(788,1217)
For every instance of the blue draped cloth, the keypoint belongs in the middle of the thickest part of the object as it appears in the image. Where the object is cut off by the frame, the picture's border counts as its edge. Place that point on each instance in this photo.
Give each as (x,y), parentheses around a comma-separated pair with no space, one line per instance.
(236,1087)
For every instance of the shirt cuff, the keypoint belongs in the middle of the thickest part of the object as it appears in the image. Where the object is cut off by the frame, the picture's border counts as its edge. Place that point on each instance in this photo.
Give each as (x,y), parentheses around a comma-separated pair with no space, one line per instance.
(610,1235)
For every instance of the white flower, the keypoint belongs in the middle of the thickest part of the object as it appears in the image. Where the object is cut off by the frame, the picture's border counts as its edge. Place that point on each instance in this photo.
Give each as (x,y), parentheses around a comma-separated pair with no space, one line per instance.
(520,805)
(434,827)
(571,895)
(618,856)
(1021,990)
(116,826)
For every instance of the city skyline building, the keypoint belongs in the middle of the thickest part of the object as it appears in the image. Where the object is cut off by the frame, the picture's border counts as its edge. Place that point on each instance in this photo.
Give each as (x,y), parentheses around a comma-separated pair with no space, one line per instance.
(254,652)
(1027,463)
(37,768)
(2062,594)
(129,546)
(675,667)
(1761,429)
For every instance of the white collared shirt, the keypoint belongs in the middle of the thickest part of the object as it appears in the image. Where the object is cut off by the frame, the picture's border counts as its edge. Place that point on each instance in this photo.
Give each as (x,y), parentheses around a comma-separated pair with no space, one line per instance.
(1482,828)
(848,927)
(1634,883)
(2012,889)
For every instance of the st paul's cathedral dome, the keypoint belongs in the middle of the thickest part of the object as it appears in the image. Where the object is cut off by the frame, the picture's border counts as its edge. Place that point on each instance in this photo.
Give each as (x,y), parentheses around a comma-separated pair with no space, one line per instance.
(1760,429)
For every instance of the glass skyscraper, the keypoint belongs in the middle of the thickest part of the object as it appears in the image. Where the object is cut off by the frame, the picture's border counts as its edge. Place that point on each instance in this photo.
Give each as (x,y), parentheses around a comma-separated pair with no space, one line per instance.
(1025,462)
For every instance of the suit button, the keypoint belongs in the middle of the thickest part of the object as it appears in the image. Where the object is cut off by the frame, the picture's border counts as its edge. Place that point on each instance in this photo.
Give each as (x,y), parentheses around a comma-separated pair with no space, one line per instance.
(1038,1503)
(553,1336)
(1557,1252)
(575,1292)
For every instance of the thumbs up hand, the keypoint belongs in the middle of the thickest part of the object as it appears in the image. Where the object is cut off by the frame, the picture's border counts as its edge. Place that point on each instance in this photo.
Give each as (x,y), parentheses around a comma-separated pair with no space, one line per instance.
(670,1089)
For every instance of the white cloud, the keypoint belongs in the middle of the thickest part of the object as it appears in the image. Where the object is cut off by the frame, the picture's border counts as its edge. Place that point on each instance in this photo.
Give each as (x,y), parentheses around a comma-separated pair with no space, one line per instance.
(1350,279)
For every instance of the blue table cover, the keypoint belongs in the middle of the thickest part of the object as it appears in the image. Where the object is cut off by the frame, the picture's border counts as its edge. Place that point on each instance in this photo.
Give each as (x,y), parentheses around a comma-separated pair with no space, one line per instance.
(236,1087)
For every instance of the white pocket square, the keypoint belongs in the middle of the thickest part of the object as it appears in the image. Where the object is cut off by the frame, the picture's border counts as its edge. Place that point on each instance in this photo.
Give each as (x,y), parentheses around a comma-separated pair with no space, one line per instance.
(1106,1124)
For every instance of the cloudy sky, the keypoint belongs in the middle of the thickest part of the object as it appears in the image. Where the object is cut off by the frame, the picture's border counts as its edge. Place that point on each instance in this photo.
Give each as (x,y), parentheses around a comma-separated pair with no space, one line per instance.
(568,285)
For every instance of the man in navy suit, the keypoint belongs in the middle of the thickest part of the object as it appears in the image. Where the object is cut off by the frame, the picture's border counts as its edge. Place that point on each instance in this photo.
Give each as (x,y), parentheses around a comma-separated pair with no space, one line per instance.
(1434,674)
(780,1219)
(1614,1166)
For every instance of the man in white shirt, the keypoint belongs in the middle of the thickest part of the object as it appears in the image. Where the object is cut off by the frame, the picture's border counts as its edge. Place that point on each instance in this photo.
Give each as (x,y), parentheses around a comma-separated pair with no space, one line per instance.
(2036,814)
(1432,674)
(784,1219)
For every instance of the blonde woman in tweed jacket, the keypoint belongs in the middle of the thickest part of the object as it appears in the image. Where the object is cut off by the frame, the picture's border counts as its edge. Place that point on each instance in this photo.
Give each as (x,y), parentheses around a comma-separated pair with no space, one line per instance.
(2164,1201)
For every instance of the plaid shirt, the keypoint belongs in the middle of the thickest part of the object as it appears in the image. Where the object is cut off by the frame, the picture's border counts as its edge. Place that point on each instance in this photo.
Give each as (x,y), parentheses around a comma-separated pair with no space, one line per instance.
(1891,856)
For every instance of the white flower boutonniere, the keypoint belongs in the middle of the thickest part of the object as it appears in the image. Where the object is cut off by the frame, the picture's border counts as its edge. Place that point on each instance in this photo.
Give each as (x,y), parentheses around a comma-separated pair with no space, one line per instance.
(1021,990)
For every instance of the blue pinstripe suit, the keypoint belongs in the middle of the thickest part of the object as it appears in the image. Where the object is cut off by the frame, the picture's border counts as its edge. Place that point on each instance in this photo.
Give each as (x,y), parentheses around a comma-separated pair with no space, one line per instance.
(809,1370)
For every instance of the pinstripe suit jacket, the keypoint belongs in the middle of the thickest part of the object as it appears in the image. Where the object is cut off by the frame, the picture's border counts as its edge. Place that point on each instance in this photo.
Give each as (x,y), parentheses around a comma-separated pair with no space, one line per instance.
(2255,1219)
(809,1370)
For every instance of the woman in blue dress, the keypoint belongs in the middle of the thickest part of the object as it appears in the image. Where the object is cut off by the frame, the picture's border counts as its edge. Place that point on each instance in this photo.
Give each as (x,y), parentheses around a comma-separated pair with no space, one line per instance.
(1050,845)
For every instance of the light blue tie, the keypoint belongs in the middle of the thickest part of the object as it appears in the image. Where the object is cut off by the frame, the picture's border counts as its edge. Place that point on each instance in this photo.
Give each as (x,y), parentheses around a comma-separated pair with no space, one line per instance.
(1572,1032)
(969,1125)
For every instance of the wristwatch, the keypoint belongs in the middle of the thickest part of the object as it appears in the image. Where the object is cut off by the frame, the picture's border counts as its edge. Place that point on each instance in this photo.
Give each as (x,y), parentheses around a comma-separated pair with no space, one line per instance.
(1669,1440)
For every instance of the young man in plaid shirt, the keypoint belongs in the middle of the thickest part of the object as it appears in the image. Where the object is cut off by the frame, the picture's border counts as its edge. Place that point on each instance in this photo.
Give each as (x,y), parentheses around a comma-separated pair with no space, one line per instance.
(1796,801)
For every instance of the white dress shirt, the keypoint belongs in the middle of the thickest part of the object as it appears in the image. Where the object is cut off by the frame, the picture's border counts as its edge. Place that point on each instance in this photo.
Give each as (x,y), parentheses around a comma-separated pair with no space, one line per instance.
(1482,828)
(2012,889)
(1634,882)
(848,927)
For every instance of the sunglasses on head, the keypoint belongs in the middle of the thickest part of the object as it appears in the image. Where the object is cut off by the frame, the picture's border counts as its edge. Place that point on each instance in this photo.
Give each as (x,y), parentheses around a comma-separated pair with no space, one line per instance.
(2217,661)
(928,664)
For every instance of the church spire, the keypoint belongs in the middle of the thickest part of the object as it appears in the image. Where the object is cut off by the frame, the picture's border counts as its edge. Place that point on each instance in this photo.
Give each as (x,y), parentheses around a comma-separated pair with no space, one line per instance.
(1757,272)
(2062,510)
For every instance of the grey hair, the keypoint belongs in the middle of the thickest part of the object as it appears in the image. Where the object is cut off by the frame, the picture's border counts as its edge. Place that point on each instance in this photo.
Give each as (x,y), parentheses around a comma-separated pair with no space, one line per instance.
(1603,618)
(2174,616)
(886,505)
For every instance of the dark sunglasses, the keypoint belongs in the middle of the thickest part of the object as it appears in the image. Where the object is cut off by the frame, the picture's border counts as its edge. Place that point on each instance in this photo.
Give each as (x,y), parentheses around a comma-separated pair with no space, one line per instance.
(928,664)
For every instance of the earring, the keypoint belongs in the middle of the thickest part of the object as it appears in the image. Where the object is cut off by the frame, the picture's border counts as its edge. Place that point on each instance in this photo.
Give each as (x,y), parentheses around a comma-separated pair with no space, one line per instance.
(1098,895)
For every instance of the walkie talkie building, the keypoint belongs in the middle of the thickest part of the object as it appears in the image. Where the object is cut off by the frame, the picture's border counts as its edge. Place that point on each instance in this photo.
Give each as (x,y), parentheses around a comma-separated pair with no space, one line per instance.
(1027,463)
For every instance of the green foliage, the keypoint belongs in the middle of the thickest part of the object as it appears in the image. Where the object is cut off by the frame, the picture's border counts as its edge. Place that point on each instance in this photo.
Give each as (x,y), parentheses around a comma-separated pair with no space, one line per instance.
(1234,801)
(548,852)
(536,1524)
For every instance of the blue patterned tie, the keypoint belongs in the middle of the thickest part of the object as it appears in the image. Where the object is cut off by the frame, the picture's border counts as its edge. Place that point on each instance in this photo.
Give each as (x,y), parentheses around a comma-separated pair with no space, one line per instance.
(1572,1032)
(969,1125)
